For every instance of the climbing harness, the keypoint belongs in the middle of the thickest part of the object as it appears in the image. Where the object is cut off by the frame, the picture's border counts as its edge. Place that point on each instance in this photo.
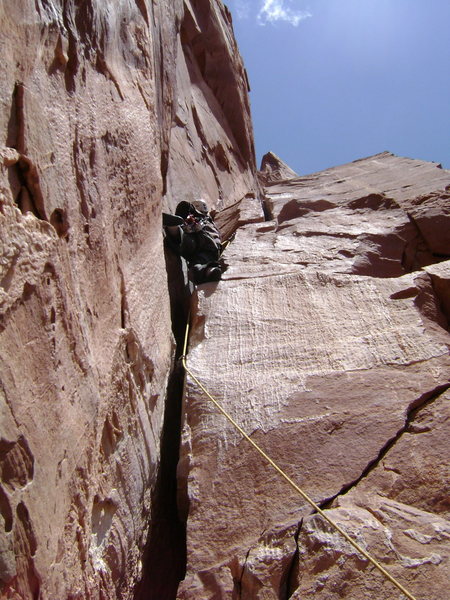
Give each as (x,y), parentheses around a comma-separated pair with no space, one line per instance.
(285,476)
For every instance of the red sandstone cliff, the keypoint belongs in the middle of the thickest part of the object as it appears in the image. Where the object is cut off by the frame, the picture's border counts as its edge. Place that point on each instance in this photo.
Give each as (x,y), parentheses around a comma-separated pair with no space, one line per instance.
(328,341)
(327,338)
(110,111)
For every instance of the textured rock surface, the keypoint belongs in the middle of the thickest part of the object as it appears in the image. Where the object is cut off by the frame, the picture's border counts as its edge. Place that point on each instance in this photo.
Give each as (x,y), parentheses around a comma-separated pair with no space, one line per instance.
(99,103)
(327,340)
(273,169)
(211,144)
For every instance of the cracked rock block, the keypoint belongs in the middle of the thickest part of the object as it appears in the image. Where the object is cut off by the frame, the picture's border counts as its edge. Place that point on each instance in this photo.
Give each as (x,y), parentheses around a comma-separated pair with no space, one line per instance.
(415,470)
(431,214)
(331,350)
(413,545)
(398,512)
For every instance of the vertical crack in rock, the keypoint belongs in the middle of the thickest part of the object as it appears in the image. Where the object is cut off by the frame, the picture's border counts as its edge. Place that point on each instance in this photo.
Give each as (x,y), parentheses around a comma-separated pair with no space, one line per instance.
(441,292)
(414,408)
(164,562)
(25,183)
(163,98)
(268,215)
(164,59)
(289,586)
(18,96)
(270,562)
(124,312)
(238,583)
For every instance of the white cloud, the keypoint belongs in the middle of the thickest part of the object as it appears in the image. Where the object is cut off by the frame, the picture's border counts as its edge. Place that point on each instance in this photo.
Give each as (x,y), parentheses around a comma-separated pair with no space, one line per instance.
(242,8)
(279,10)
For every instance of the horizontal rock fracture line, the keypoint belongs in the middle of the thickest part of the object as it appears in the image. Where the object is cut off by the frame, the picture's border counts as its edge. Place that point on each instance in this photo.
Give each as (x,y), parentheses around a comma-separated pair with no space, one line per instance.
(292,483)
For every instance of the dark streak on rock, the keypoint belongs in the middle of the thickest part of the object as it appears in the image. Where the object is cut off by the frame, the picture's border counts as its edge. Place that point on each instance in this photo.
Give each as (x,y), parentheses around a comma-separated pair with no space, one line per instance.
(238,583)
(414,408)
(289,584)
(164,559)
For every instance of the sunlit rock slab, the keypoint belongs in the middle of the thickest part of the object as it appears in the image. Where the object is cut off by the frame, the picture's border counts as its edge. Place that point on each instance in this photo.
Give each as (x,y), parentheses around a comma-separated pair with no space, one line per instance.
(403,180)
(328,331)
(321,371)
(381,216)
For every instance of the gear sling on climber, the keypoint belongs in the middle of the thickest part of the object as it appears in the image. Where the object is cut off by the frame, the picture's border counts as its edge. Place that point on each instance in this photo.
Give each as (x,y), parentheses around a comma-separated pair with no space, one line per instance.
(192,234)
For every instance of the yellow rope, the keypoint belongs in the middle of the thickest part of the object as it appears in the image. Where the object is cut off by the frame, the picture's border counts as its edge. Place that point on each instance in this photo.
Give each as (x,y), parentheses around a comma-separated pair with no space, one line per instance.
(288,479)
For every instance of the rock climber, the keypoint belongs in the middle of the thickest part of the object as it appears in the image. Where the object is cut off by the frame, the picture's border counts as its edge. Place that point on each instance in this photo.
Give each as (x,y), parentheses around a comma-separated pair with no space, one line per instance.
(192,234)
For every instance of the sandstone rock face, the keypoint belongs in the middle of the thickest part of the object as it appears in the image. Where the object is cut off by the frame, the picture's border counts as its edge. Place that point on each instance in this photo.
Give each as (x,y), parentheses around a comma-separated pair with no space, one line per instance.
(327,340)
(273,169)
(211,145)
(100,106)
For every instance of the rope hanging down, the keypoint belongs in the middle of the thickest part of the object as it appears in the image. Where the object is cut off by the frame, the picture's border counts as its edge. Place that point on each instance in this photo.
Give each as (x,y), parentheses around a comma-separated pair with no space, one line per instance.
(286,477)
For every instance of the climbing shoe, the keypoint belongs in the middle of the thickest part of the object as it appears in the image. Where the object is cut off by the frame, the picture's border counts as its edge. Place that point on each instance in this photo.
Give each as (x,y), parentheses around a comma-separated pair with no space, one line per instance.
(202,273)
(213,274)
(169,220)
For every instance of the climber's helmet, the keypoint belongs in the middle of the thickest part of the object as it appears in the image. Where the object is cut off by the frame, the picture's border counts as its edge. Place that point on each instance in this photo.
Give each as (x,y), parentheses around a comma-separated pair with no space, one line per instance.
(201,206)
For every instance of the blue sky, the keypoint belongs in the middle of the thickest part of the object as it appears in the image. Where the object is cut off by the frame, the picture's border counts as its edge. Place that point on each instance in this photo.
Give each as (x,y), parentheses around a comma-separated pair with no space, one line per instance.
(337,80)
